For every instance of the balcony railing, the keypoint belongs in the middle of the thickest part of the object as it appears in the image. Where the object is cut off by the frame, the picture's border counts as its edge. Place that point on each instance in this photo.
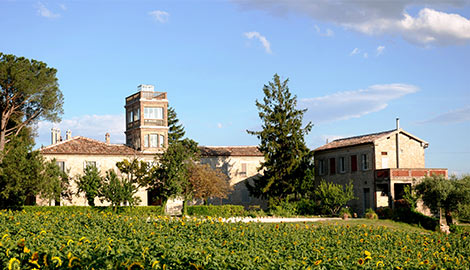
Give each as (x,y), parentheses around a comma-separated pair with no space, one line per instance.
(408,173)
(149,95)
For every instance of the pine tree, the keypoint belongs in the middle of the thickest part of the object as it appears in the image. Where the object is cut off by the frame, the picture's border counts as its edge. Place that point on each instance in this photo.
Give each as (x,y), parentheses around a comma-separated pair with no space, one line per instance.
(287,166)
(176,131)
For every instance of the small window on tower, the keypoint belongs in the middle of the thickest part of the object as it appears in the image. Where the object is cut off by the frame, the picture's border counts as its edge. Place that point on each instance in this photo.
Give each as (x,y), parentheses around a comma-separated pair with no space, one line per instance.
(153,140)
(161,141)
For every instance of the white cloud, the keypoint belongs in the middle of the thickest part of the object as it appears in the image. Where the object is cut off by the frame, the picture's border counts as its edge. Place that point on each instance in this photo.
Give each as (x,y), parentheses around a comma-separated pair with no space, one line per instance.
(455,116)
(355,51)
(219,125)
(353,104)
(328,32)
(264,42)
(365,55)
(160,16)
(45,12)
(92,126)
(374,17)
(380,50)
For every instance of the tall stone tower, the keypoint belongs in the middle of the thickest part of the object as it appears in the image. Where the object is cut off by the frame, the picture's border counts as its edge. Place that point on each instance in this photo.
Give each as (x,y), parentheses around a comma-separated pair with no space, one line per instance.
(147,120)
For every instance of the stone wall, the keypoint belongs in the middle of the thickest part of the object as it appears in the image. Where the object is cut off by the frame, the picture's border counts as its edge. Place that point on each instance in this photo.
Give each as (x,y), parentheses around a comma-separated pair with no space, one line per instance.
(411,153)
(74,165)
(363,180)
(239,170)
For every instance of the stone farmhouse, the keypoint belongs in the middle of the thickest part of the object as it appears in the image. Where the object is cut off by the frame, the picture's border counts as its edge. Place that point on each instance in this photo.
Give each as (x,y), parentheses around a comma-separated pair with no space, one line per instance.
(147,135)
(380,166)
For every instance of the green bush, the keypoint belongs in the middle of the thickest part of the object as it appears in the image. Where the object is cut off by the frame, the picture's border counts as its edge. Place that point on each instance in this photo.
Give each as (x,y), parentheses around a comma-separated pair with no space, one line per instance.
(385,213)
(407,215)
(217,210)
(283,209)
(307,207)
(127,210)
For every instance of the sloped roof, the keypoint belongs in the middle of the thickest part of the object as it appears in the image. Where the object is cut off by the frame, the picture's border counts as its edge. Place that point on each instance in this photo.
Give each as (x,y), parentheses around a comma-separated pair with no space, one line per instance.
(85,146)
(364,139)
(211,151)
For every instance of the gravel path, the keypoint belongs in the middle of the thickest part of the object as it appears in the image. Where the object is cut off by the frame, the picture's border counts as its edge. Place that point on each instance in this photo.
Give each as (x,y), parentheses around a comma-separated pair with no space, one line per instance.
(276,220)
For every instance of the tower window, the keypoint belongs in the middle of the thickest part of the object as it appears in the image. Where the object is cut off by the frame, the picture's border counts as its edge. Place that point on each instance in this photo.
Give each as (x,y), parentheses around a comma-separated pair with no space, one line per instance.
(153,113)
(153,140)
(161,140)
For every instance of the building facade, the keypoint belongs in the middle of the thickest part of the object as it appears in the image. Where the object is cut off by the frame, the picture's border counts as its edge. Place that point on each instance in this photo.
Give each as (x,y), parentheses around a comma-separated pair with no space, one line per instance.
(146,137)
(379,165)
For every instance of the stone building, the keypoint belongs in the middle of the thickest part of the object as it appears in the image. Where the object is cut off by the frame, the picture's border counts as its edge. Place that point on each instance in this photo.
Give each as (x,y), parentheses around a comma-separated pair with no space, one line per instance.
(146,136)
(380,166)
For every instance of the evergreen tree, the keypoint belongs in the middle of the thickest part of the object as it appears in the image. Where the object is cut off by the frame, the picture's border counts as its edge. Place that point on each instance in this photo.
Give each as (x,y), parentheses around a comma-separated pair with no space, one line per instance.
(287,168)
(175,131)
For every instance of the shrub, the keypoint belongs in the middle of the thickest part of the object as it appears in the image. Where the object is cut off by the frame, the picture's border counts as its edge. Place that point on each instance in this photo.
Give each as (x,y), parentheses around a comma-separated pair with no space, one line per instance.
(216,210)
(333,196)
(307,207)
(385,213)
(370,214)
(283,209)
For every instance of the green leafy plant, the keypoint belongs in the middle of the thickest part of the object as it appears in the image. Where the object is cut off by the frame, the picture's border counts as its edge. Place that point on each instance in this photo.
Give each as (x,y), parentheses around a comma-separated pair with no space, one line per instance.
(89,183)
(331,197)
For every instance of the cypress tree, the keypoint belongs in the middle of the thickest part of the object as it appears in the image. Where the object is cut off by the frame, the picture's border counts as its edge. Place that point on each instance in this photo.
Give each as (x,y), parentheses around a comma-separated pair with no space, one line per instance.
(287,168)
(175,131)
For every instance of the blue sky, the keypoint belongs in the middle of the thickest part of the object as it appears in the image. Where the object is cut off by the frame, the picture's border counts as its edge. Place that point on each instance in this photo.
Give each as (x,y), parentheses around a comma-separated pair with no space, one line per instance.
(356,65)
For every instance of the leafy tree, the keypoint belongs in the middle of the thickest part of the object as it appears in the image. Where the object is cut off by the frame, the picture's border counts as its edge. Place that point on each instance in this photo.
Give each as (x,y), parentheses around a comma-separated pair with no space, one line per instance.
(287,165)
(55,183)
(332,197)
(171,177)
(20,171)
(137,171)
(175,131)
(207,182)
(29,92)
(450,195)
(118,190)
(89,183)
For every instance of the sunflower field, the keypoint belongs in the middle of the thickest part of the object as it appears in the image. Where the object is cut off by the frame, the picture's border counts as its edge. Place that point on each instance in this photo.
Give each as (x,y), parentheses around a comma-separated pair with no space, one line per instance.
(105,240)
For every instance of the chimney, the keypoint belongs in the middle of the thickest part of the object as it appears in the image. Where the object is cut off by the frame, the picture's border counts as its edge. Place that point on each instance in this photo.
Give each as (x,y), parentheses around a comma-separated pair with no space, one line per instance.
(55,135)
(326,140)
(68,134)
(398,123)
(107,138)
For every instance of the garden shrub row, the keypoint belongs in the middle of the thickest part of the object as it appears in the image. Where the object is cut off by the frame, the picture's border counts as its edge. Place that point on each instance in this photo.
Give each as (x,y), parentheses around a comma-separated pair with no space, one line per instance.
(217,210)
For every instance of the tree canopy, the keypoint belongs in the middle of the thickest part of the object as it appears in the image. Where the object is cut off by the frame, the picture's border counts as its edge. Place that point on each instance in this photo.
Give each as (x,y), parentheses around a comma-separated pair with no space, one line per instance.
(287,165)
(29,92)
(175,131)
(208,183)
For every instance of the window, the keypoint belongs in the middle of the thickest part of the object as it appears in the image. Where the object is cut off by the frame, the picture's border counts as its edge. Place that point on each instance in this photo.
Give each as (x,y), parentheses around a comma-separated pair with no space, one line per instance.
(153,113)
(342,165)
(161,140)
(61,165)
(146,140)
(321,167)
(153,140)
(365,162)
(354,163)
(243,170)
(129,116)
(87,164)
(136,115)
(332,165)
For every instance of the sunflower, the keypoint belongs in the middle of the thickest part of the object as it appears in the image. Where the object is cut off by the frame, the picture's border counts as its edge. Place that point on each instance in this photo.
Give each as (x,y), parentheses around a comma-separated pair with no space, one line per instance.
(14,263)
(317,262)
(360,261)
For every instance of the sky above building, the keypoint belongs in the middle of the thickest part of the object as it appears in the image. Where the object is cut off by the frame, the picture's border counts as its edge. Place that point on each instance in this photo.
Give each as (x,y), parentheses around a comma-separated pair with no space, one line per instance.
(355,65)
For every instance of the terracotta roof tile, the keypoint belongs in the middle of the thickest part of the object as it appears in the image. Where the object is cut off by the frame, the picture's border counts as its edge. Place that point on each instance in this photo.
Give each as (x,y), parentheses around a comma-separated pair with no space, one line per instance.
(85,146)
(211,151)
(368,138)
